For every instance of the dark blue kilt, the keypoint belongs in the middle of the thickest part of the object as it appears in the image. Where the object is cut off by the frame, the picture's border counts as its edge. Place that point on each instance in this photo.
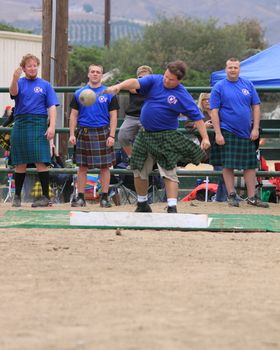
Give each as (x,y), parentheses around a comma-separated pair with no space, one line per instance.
(91,149)
(236,153)
(29,143)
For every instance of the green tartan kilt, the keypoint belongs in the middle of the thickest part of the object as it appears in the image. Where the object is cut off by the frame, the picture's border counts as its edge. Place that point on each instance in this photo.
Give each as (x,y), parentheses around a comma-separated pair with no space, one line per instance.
(236,153)
(167,148)
(29,143)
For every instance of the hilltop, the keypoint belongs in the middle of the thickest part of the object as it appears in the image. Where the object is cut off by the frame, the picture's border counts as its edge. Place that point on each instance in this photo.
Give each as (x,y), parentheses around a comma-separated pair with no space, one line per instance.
(138,13)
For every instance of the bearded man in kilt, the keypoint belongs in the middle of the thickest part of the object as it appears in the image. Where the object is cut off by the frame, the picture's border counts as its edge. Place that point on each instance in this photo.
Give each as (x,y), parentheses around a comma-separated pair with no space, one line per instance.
(159,141)
(235,114)
(34,126)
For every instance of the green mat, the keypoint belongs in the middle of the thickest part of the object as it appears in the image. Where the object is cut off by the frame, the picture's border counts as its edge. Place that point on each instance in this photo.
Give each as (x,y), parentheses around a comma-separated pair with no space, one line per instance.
(61,219)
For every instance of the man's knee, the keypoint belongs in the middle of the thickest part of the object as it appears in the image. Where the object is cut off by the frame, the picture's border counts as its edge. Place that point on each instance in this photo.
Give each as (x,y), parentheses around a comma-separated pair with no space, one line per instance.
(123,138)
(141,175)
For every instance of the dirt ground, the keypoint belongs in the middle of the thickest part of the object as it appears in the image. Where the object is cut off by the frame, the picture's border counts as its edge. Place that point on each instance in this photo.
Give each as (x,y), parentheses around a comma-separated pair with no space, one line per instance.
(68,289)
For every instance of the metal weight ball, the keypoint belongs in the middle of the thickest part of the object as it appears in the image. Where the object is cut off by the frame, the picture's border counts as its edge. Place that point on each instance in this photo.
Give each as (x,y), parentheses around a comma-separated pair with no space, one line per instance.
(87,97)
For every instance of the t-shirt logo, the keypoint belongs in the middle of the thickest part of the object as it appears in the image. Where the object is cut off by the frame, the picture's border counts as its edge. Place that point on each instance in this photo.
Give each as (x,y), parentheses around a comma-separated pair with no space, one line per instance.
(102,99)
(38,90)
(245,92)
(172,100)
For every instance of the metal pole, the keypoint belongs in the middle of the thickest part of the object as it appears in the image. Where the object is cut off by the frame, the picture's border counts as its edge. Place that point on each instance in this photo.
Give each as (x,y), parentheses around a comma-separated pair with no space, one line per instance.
(107,23)
(53,42)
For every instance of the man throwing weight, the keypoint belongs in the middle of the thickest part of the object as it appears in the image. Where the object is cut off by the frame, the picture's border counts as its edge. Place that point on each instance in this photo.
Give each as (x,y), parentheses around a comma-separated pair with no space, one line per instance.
(159,141)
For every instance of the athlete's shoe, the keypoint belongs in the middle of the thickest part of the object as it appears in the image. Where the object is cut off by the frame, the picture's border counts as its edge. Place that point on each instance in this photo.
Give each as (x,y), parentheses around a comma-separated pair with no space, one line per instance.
(78,202)
(16,201)
(172,209)
(143,207)
(41,202)
(104,203)
(233,200)
(257,202)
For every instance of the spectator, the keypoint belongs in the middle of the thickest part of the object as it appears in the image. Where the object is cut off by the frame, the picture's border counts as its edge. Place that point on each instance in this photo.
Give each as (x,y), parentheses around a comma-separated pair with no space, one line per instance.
(159,141)
(34,127)
(131,124)
(204,106)
(95,135)
(5,138)
(235,115)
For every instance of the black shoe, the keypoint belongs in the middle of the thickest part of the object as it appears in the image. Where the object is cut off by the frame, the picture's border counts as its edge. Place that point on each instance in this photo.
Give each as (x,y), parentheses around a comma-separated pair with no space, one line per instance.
(172,209)
(78,202)
(16,201)
(104,203)
(233,200)
(257,202)
(41,202)
(143,207)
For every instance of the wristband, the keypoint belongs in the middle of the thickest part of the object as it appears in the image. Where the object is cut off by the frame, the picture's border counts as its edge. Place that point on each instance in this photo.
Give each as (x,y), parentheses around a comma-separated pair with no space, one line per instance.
(113,137)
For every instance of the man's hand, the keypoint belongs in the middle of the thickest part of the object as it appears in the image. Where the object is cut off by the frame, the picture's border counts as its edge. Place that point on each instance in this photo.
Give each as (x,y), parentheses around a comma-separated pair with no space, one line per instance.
(72,140)
(220,139)
(254,134)
(205,143)
(50,133)
(110,141)
(17,73)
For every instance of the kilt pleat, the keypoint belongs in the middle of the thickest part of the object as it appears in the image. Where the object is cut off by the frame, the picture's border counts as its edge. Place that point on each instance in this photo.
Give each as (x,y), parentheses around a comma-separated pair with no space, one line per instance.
(236,153)
(92,151)
(28,141)
(168,148)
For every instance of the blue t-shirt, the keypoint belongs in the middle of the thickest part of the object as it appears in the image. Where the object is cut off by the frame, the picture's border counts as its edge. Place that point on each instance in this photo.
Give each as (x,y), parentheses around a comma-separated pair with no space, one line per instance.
(163,106)
(235,99)
(34,97)
(98,114)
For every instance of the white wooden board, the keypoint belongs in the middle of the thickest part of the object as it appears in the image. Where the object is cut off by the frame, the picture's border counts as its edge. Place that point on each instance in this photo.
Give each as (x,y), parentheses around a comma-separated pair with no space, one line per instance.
(138,220)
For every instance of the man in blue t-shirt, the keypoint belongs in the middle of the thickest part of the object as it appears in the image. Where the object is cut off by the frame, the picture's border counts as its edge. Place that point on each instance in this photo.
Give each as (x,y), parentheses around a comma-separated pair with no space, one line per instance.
(34,126)
(235,115)
(96,127)
(159,141)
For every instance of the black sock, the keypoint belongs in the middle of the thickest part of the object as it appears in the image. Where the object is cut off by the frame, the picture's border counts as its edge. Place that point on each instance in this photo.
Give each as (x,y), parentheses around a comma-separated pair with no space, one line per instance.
(19,180)
(104,195)
(81,195)
(44,177)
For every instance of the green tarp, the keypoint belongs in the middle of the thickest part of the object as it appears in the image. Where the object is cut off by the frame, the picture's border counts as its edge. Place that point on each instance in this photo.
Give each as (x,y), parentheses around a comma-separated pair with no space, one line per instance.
(61,219)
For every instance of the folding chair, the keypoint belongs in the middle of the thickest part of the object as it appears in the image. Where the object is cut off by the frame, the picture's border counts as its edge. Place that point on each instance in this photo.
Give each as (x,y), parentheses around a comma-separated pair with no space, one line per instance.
(92,187)
(11,188)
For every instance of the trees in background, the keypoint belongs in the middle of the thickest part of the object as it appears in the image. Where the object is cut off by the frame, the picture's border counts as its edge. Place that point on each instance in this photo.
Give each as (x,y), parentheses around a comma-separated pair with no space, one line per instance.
(79,61)
(8,28)
(204,45)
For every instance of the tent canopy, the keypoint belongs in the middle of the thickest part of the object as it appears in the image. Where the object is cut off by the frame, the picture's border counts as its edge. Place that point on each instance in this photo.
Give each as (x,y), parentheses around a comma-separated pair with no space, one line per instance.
(262,69)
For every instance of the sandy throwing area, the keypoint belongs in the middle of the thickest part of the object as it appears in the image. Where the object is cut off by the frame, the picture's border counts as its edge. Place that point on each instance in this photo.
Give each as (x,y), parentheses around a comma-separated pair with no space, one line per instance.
(88,289)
